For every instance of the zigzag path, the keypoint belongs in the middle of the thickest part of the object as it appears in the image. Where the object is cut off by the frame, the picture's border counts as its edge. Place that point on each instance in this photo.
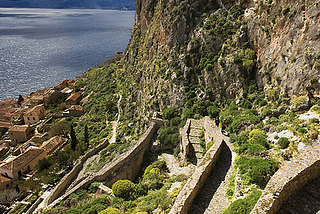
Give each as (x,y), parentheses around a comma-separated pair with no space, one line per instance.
(212,197)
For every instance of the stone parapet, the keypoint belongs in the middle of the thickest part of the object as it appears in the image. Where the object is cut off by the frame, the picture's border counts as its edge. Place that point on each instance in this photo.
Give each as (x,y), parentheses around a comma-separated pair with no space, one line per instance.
(286,182)
(68,178)
(126,166)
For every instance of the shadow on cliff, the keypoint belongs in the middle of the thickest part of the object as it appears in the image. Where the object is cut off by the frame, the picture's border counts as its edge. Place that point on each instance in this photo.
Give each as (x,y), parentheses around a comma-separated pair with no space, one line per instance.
(210,186)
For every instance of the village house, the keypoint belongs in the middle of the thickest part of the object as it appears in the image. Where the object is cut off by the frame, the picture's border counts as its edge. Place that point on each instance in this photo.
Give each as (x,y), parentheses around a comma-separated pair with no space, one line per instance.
(34,115)
(6,115)
(8,103)
(53,144)
(73,111)
(19,133)
(73,99)
(17,166)
(4,127)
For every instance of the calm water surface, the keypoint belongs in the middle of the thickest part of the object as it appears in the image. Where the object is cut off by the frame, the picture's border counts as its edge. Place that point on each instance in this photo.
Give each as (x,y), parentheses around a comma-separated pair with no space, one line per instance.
(42,47)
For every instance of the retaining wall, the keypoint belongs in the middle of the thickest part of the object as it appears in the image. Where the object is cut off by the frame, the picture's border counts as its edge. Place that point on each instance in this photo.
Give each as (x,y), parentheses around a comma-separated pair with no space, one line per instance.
(288,180)
(126,166)
(192,187)
(68,178)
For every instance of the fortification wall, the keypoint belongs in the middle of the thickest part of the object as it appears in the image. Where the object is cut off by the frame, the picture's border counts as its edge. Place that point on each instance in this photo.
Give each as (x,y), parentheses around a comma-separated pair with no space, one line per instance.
(126,166)
(288,180)
(195,182)
(68,178)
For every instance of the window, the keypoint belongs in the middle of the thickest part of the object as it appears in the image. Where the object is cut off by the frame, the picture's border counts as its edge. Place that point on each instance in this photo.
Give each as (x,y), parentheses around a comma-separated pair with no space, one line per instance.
(28,118)
(34,118)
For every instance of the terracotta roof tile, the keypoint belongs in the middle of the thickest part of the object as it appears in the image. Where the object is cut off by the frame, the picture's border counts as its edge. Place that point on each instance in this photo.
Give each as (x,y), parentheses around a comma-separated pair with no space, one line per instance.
(19,128)
(23,159)
(73,97)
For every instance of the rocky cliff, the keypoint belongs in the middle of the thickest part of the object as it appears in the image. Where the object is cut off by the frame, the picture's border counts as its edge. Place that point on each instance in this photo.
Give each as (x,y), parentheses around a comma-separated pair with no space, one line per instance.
(286,38)
(190,54)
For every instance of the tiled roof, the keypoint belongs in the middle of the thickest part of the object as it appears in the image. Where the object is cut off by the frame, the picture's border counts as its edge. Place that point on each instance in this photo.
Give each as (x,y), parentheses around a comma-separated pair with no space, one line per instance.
(50,145)
(4,179)
(73,97)
(35,110)
(22,160)
(19,128)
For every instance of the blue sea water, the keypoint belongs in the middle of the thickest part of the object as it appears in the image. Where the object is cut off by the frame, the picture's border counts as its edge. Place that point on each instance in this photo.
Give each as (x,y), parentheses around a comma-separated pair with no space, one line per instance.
(42,47)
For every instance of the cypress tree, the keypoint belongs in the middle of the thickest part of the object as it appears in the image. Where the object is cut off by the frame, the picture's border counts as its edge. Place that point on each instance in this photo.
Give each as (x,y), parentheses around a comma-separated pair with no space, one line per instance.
(74,140)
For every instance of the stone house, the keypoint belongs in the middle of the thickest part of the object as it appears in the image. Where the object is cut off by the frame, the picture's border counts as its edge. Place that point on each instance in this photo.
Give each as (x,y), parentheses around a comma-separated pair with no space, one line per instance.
(53,144)
(19,133)
(16,167)
(73,99)
(34,115)
(6,115)
(73,111)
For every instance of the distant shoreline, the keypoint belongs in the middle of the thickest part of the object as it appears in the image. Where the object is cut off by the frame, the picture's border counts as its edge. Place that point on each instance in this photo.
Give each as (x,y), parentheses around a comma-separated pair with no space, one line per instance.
(69,8)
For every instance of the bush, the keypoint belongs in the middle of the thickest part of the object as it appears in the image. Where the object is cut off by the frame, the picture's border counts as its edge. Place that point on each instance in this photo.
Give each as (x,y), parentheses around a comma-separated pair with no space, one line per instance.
(169,136)
(213,111)
(283,142)
(123,189)
(251,149)
(313,80)
(256,170)
(258,136)
(170,112)
(244,206)
(110,210)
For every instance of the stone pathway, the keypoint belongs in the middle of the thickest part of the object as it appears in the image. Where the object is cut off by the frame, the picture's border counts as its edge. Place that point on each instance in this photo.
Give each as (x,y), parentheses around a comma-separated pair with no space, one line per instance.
(196,150)
(212,197)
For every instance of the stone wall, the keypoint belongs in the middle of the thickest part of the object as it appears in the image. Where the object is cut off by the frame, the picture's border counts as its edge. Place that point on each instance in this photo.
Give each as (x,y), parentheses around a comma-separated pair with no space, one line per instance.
(288,180)
(185,143)
(195,182)
(68,178)
(126,166)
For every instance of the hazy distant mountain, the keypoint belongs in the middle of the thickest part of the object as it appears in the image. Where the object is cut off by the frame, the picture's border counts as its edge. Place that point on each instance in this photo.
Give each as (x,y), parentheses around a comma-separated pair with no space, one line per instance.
(108,4)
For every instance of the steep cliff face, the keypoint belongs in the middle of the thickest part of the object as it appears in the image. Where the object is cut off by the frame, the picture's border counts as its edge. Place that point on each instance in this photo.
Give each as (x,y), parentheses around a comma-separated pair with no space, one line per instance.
(187,52)
(286,38)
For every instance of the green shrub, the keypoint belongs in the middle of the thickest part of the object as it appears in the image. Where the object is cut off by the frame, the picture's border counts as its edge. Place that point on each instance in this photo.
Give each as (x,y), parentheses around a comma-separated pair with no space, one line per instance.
(258,136)
(251,149)
(313,80)
(315,108)
(213,111)
(244,206)
(285,10)
(170,112)
(110,210)
(283,142)
(169,136)
(175,121)
(256,170)
(124,189)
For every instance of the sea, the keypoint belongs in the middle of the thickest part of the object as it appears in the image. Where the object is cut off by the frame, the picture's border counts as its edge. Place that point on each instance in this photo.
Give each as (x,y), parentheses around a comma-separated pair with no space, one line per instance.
(41,47)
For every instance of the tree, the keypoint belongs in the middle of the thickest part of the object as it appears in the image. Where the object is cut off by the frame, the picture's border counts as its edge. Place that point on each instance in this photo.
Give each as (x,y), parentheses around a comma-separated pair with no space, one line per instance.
(20,100)
(74,140)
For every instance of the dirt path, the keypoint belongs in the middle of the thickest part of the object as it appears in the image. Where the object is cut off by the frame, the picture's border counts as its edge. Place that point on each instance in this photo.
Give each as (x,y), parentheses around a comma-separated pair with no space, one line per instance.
(174,167)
